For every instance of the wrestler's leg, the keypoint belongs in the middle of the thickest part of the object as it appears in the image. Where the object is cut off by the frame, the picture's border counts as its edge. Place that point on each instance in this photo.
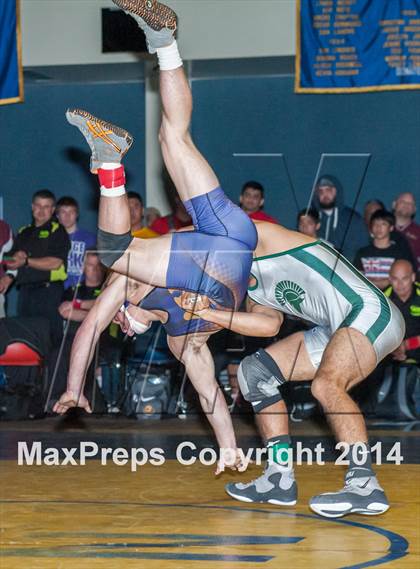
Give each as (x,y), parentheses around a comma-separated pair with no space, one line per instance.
(287,359)
(349,357)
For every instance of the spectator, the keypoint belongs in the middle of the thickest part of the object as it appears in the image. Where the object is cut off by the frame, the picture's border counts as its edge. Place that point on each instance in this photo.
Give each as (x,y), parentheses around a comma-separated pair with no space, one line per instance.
(151,214)
(6,243)
(375,260)
(39,255)
(81,239)
(252,202)
(308,222)
(174,221)
(405,294)
(79,299)
(370,207)
(404,208)
(342,226)
(135,203)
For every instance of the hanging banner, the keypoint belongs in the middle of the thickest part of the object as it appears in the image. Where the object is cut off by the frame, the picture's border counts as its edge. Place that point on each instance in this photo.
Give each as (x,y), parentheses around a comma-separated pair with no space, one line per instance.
(346,46)
(11,74)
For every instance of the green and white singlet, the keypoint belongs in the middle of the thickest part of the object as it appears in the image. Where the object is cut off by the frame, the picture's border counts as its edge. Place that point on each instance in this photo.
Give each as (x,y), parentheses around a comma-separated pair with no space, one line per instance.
(316,283)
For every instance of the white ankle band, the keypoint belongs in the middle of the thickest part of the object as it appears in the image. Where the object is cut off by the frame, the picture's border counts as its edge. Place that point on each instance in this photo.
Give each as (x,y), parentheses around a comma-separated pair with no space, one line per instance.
(110,165)
(169,57)
(112,192)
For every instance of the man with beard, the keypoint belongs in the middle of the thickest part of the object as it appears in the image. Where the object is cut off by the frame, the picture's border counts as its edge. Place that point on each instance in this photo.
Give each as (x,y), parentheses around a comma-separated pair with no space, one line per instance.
(341,226)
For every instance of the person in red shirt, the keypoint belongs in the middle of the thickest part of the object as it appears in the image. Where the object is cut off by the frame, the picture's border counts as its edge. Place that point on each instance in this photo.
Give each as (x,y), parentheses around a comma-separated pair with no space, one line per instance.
(252,201)
(174,221)
(404,208)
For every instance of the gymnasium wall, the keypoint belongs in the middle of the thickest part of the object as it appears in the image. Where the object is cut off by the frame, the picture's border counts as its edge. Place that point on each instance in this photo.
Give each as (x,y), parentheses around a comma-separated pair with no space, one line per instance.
(263,115)
(38,149)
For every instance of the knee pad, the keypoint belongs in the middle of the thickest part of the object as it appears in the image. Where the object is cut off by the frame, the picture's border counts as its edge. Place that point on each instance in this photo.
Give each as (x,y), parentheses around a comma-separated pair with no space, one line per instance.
(259,379)
(111,247)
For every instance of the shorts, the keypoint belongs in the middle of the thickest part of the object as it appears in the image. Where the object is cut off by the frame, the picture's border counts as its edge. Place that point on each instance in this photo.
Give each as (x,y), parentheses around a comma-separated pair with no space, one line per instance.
(215,259)
(388,340)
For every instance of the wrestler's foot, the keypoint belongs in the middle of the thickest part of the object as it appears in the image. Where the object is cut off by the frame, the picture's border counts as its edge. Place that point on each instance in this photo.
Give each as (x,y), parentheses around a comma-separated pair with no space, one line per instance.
(360,495)
(107,142)
(275,486)
(156,20)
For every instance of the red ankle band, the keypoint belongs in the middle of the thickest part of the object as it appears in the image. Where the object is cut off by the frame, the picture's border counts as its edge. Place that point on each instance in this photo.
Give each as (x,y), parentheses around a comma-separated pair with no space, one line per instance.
(112,178)
(412,343)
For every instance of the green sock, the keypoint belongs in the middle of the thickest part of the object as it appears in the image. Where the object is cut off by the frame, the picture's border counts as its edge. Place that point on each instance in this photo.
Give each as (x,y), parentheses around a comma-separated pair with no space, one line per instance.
(278,450)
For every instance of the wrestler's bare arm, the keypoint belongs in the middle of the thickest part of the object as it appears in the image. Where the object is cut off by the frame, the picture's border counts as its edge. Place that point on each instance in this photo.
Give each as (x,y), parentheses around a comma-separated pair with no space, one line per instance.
(261,321)
(83,348)
(194,353)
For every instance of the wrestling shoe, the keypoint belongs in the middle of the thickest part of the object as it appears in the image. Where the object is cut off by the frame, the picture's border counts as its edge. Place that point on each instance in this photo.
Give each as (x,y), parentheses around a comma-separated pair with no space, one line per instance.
(107,142)
(361,495)
(157,21)
(275,486)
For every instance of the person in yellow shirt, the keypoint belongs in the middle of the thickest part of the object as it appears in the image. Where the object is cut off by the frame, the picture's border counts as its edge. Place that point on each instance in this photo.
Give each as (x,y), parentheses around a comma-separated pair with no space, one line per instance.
(135,204)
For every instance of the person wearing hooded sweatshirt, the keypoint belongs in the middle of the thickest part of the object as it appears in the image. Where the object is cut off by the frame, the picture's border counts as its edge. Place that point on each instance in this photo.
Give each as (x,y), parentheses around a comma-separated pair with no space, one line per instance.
(342,226)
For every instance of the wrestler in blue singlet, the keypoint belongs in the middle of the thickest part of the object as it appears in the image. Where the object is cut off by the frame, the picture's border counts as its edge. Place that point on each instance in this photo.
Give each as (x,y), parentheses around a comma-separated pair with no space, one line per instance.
(214,260)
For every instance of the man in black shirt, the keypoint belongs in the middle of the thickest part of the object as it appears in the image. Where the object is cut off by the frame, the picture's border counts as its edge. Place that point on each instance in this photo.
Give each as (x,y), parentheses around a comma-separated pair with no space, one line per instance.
(40,256)
(405,294)
(375,260)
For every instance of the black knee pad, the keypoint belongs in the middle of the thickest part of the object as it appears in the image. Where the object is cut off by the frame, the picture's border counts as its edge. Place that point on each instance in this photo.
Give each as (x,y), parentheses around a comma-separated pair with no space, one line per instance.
(111,247)
(259,380)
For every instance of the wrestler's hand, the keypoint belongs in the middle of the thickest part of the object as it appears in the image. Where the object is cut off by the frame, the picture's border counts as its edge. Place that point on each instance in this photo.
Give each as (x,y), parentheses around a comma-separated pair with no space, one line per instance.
(121,319)
(194,302)
(69,400)
(237,463)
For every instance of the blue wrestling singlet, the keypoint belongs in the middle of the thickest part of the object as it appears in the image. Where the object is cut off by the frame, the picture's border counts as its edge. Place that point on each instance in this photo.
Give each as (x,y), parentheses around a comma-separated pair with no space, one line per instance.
(215,259)
(178,323)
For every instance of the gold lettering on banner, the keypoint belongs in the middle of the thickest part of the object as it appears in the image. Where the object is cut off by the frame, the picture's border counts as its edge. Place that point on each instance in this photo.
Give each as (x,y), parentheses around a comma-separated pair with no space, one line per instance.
(321,73)
(325,57)
(345,31)
(392,44)
(347,72)
(351,49)
(344,57)
(348,64)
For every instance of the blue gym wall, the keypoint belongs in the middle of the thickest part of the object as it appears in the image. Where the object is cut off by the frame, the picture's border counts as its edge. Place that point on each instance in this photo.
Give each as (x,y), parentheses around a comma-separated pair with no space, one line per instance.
(263,115)
(39,149)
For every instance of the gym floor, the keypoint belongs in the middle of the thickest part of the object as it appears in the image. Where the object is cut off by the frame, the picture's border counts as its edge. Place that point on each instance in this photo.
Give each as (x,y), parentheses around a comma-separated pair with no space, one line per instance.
(176,516)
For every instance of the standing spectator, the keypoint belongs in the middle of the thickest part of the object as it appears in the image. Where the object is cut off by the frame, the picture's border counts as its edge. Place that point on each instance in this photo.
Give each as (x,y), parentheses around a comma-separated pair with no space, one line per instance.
(308,222)
(342,226)
(405,210)
(375,260)
(40,256)
(405,294)
(177,220)
(81,239)
(6,243)
(252,201)
(135,203)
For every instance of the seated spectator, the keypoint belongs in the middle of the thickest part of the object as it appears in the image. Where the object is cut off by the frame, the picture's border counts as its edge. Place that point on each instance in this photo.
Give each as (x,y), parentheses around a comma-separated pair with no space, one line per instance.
(151,214)
(39,255)
(308,222)
(79,299)
(340,225)
(375,260)
(81,239)
(370,207)
(252,202)
(6,243)
(405,294)
(174,221)
(404,208)
(135,203)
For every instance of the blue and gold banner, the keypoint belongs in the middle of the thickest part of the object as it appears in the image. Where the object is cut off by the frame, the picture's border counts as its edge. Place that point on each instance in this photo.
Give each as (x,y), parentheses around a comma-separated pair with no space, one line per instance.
(346,46)
(11,75)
